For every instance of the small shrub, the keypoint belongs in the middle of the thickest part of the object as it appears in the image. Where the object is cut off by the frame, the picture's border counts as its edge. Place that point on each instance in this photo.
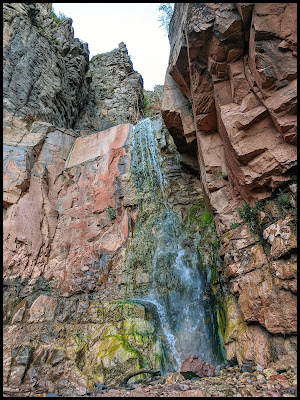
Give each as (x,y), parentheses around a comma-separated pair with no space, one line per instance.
(148,114)
(80,341)
(221,174)
(166,11)
(190,106)
(250,214)
(146,100)
(112,212)
(69,182)
(58,18)
(234,225)
(283,199)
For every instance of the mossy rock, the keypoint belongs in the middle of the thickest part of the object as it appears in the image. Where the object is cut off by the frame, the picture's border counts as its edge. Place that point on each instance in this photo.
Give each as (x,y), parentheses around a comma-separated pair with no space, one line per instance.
(126,341)
(234,319)
(137,326)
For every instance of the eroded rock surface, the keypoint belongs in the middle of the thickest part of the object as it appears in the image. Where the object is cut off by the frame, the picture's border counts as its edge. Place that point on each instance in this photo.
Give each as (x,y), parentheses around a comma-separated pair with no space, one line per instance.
(115,94)
(69,215)
(45,69)
(234,66)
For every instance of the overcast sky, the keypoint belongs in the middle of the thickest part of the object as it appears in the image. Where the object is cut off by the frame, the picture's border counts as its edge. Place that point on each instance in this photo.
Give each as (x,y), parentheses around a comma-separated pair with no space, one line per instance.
(104,25)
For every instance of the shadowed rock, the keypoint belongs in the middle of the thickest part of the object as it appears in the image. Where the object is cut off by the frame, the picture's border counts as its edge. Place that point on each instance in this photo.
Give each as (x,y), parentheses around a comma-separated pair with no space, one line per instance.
(193,366)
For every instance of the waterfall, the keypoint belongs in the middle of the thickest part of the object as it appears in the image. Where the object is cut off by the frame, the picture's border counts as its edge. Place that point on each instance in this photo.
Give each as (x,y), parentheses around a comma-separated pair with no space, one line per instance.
(178,281)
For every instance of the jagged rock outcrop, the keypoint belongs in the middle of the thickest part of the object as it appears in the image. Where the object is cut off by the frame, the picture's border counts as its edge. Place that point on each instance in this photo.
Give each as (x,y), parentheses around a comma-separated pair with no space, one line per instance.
(236,86)
(48,76)
(45,69)
(234,65)
(115,94)
(153,100)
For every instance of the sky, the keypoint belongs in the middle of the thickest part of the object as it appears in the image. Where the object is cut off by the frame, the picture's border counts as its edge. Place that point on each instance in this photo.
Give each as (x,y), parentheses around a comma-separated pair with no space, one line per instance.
(104,25)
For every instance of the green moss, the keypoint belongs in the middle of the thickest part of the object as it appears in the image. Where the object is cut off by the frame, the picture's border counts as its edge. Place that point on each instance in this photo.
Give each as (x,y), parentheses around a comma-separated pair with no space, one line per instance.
(119,344)
(206,219)
(200,217)
(137,326)
(69,182)
(232,324)
(227,235)
(80,341)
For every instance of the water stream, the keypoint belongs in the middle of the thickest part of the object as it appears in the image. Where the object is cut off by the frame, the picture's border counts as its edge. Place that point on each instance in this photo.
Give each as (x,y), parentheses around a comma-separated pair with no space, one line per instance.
(177,294)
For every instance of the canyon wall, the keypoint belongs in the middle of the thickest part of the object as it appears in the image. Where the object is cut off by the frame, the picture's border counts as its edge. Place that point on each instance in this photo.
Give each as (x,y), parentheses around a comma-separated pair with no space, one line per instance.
(80,234)
(230,97)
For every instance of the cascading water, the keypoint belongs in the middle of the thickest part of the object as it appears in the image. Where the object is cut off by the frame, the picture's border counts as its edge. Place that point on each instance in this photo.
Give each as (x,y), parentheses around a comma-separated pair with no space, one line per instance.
(178,281)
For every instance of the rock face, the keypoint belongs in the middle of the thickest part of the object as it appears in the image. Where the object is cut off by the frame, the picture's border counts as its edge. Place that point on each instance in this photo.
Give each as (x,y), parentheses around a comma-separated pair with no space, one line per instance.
(64,237)
(45,69)
(232,67)
(115,94)
(67,271)
(70,209)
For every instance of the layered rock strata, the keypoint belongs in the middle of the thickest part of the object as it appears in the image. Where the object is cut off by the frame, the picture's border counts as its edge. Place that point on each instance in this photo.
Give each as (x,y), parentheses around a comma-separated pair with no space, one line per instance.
(46,73)
(70,203)
(48,76)
(233,66)
(69,211)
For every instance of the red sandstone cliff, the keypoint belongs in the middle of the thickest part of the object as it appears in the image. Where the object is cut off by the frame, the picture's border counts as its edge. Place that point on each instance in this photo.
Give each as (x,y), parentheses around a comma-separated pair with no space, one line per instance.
(230,92)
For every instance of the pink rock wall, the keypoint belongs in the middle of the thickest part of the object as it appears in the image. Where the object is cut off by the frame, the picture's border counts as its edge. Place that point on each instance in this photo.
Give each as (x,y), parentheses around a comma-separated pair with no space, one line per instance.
(61,226)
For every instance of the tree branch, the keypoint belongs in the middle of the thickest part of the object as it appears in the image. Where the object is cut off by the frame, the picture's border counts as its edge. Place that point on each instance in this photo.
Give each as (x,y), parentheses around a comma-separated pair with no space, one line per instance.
(139,371)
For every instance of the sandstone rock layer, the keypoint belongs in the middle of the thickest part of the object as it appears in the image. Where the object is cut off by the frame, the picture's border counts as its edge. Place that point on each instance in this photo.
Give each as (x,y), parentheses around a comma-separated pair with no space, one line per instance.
(234,66)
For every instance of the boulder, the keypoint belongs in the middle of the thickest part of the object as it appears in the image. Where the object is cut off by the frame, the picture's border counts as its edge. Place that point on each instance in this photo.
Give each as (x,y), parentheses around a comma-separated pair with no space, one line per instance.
(194,366)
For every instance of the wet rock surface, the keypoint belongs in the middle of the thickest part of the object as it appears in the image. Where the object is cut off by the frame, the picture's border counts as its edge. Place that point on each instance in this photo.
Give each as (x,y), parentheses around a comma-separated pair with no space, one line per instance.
(65,275)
